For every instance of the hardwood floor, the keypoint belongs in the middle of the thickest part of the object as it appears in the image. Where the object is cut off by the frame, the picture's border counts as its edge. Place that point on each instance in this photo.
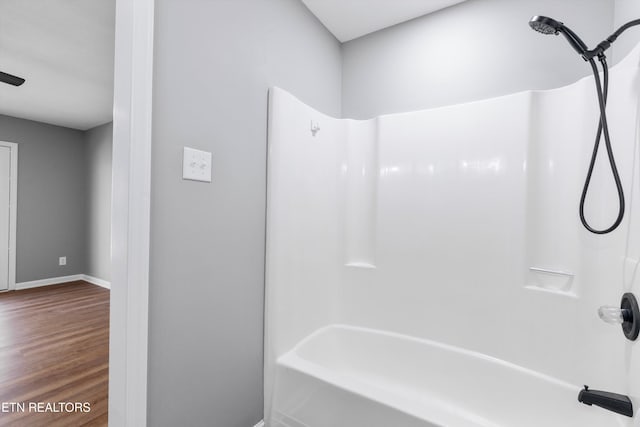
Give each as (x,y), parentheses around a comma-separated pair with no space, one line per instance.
(54,348)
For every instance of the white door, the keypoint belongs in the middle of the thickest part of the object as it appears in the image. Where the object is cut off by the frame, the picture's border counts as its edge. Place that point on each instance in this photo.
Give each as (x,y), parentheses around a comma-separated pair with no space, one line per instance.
(8,163)
(5,205)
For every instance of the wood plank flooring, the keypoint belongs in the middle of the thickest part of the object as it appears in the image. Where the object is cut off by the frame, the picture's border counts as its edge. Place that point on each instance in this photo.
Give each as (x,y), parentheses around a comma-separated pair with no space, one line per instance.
(54,347)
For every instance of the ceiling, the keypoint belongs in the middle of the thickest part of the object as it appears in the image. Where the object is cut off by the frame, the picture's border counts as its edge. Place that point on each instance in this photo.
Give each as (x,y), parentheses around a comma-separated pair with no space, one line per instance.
(64,49)
(350,19)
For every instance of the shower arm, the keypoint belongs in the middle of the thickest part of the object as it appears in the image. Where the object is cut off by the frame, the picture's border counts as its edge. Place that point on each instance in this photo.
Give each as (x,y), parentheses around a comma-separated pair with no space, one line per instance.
(606,43)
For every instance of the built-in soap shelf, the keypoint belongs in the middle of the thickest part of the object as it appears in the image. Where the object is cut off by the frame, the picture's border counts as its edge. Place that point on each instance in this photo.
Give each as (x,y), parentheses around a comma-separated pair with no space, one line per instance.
(360,265)
(552,272)
(551,280)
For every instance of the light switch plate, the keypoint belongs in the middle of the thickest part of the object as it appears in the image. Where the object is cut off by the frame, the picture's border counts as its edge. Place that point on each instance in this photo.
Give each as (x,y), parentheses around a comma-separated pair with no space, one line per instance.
(196,165)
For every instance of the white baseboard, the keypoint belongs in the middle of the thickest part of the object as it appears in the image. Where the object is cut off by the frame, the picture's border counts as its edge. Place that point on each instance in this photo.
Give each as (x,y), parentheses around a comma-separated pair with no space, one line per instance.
(260,424)
(47,282)
(62,279)
(96,281)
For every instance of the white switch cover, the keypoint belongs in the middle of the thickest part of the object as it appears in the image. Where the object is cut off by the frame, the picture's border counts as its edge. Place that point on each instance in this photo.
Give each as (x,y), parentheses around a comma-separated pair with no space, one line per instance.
(196,165)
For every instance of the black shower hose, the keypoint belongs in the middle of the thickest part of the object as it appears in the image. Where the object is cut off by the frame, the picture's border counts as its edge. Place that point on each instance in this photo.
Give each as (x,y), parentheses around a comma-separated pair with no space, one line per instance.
(603,128)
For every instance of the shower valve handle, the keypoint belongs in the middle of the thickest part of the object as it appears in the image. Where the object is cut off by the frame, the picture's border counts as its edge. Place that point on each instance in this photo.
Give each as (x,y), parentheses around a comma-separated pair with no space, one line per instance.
(627,316)
(613,315)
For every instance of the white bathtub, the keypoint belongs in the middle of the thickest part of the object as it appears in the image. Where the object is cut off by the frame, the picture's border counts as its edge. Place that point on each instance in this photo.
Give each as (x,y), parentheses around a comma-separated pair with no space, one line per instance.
(345,376)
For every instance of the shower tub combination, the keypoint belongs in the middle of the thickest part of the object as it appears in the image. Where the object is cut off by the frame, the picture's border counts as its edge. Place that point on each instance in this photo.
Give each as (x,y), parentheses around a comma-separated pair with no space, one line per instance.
(429,268)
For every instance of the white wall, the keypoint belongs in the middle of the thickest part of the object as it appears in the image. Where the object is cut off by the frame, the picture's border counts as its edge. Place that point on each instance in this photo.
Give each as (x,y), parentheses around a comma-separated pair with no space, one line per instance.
(305,246)
(214,63)
(474,50)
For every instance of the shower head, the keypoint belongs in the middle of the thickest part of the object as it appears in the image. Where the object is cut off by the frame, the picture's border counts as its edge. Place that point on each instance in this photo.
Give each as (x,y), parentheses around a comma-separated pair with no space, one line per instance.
(545,25)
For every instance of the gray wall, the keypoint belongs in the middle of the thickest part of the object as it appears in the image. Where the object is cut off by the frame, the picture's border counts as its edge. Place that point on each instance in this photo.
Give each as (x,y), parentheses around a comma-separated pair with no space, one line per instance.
(214,61)
(51,198)
(625,11)
(471,51)
(98,148)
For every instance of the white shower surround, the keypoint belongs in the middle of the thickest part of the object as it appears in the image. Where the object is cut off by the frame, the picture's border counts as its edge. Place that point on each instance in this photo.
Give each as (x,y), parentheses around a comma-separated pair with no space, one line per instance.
(433,226)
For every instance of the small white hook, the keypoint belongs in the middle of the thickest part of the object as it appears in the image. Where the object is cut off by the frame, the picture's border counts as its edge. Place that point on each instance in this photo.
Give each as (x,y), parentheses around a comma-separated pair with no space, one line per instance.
(315,127)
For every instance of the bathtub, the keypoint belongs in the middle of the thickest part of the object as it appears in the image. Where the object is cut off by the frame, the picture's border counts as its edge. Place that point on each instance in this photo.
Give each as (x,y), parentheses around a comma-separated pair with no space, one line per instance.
(346,376)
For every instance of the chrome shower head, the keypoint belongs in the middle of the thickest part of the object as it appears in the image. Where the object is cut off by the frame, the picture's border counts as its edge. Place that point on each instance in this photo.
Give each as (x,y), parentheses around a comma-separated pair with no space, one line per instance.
(545,25)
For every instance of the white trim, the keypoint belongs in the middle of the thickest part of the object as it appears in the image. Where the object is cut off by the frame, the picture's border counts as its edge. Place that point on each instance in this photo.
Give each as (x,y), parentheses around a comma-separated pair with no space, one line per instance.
(13,206)
(49,281)
(96,281)
(260,424)
(130,213)
(62,279)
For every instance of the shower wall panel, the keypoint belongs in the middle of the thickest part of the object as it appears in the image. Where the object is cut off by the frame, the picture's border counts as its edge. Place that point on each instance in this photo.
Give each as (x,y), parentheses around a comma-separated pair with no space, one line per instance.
(460,225)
